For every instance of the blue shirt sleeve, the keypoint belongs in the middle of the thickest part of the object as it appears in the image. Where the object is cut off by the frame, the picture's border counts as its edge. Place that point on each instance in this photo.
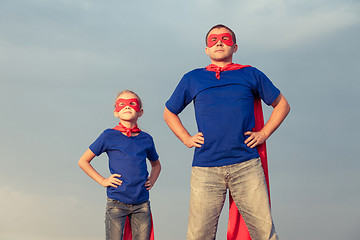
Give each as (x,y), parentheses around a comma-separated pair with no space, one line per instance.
(265,89)
(181,97)
(98,146)
(152,154)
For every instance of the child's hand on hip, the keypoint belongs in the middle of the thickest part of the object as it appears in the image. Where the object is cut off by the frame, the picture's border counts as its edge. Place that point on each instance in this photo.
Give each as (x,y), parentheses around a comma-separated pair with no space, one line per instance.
(112,181)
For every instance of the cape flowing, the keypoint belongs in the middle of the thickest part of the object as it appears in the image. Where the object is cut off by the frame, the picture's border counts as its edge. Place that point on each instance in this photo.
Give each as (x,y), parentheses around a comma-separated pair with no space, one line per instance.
(237,229)
(127,230)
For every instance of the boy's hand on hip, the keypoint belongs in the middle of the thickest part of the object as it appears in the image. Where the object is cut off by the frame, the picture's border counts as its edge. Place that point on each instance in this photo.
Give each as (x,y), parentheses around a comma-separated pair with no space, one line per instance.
(254,139)
(195,141)
(149,184)
(112,181)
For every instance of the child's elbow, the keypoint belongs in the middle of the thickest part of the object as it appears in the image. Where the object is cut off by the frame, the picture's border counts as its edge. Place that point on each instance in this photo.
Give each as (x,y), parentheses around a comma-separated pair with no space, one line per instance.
(80,163)
(288,107)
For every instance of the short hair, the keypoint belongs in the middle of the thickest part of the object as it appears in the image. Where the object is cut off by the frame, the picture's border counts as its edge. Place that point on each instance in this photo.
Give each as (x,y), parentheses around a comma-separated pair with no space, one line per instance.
(129,91)
(221,26)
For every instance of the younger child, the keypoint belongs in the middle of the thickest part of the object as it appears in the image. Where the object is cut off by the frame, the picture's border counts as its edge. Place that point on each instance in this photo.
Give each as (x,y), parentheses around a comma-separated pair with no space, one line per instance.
(128,187)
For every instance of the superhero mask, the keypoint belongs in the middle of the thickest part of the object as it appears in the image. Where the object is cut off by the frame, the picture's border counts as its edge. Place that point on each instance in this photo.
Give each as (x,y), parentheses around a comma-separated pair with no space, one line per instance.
(225,38)
(132,102)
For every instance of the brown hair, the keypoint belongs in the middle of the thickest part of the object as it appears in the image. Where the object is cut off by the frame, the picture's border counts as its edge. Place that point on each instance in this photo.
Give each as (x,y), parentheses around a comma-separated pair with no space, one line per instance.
(221,26)
(128,91)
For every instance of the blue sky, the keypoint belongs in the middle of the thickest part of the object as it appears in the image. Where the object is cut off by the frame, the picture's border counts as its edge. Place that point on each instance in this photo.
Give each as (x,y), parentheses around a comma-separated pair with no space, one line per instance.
(62,63)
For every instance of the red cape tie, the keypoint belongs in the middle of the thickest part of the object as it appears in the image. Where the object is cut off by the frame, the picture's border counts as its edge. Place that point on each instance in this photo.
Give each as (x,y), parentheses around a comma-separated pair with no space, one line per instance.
(126,130)
(230,66)
(237,229)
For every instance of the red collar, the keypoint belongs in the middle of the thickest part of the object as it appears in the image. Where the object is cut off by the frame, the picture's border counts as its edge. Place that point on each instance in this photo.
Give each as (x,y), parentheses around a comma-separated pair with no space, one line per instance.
(230,66)
(126,130)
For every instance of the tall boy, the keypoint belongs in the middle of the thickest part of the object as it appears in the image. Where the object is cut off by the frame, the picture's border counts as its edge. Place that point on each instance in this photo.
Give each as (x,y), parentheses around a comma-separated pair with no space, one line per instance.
(225,146)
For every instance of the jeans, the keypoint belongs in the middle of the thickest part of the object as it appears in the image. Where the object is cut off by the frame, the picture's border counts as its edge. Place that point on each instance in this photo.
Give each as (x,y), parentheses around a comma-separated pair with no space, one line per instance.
(247,185)
(139,215)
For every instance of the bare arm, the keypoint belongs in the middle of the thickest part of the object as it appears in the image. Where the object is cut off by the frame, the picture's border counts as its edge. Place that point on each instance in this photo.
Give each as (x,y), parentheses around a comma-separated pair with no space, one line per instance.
(279,113)
(84,164)
(174,123)
(154,174)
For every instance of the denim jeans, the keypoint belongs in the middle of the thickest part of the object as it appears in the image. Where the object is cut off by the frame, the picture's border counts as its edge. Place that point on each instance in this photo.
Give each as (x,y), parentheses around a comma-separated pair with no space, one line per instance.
(247,185)
(139,215)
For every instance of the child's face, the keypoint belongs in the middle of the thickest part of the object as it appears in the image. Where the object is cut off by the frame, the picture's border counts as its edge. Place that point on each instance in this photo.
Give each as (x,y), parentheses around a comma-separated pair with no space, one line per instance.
(127,107)
(220,45)
(122,103)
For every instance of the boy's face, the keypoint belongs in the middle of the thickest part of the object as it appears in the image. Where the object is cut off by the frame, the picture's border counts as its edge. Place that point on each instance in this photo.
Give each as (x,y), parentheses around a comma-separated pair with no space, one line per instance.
(225,38)
(128,107)
(220,45)
(131,102)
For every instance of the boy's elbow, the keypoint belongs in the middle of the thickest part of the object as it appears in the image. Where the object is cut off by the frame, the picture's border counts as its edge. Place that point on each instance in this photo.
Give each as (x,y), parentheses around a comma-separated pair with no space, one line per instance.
(288,108)
(81,163)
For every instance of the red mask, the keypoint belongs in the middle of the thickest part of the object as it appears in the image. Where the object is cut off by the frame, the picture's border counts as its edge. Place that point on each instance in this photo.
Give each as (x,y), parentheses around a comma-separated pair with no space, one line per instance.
(225,38)
(132,102)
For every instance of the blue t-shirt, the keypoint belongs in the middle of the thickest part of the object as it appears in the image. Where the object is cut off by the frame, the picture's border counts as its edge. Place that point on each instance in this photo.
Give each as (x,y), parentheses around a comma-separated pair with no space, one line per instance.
(127,157)
(224,111)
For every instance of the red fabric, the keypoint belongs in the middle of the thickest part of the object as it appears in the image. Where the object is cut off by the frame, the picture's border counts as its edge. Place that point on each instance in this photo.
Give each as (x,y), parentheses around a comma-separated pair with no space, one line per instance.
(230,66)
(237,229)
(214,38)
(126,130)
(127,230)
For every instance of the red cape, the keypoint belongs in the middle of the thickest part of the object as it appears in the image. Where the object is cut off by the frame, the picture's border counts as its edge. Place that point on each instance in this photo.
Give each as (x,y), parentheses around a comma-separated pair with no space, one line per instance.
(128,233)
(237,229)
(127,229)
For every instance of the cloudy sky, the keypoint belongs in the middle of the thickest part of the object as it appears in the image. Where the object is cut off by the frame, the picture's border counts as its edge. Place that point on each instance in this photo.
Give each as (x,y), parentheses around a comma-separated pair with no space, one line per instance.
(62,63)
